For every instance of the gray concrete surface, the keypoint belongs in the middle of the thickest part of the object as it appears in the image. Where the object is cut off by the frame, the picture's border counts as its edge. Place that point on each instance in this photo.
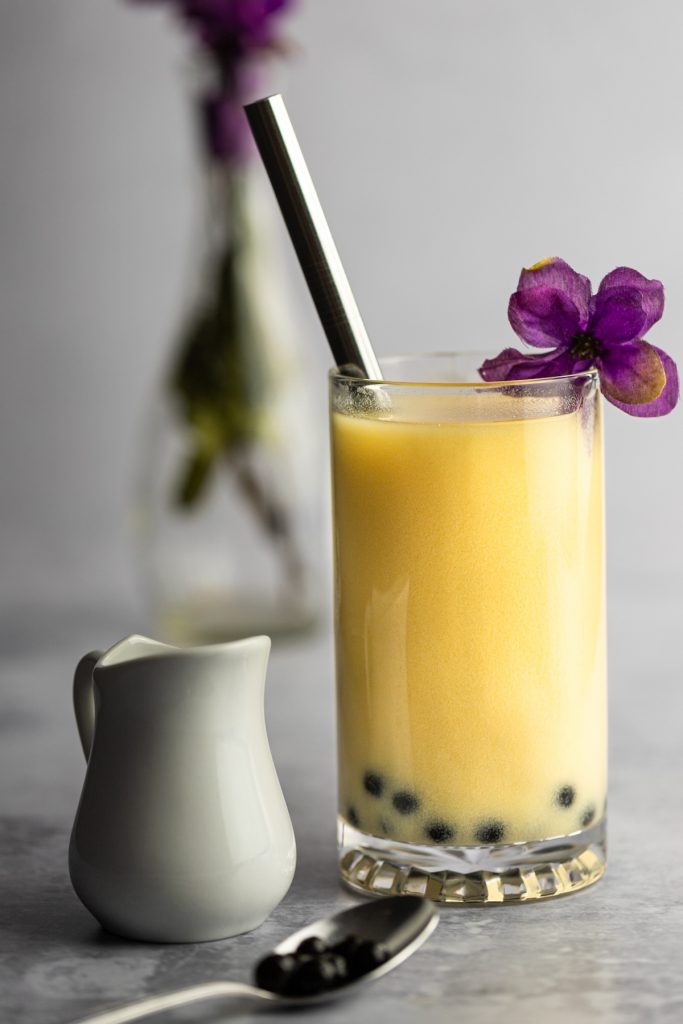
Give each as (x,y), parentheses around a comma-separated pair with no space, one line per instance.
(608,955)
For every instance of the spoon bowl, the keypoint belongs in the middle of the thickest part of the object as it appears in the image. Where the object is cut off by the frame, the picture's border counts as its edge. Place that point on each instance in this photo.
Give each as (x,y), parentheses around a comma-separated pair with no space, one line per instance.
(400,923)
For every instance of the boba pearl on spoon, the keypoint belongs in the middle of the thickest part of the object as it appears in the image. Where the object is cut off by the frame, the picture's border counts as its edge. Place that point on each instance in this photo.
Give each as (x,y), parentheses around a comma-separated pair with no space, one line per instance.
(325,960)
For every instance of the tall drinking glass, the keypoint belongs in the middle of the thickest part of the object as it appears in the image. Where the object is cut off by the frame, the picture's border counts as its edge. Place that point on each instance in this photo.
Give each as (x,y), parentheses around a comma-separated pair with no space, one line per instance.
(470,632)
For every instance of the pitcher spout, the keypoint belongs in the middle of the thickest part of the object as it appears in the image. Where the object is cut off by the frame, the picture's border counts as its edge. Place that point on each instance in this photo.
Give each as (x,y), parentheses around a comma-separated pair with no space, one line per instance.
(137,647)
(131,648)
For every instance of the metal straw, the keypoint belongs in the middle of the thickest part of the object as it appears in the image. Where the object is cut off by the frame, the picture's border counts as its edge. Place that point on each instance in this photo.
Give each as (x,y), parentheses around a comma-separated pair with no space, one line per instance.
(315,248)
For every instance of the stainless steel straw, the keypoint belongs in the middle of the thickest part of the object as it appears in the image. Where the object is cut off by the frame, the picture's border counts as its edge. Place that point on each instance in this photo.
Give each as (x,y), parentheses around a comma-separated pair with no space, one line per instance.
(315,248)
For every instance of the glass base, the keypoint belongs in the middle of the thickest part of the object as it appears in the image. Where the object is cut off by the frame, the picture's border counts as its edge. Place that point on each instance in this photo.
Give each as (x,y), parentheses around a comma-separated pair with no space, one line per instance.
(500,873)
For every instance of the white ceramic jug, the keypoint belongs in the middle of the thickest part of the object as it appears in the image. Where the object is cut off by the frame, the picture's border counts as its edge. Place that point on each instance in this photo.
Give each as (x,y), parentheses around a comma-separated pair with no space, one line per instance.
(182,833)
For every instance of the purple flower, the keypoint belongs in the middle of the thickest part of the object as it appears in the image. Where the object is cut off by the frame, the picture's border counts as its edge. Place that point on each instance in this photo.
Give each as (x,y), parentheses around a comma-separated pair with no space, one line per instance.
(231,33)
(243,24)
(226,131)
(230,28)
(553,306)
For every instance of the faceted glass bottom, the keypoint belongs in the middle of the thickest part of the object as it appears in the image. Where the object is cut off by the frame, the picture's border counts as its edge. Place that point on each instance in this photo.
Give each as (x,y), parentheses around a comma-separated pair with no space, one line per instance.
(500,873)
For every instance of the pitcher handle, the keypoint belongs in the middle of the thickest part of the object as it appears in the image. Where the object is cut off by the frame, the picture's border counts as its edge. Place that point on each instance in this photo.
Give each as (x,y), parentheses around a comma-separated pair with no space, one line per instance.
(84,699)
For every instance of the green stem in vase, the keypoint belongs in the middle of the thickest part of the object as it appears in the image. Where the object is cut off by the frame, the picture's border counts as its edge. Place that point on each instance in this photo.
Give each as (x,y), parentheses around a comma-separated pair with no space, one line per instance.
(271,514)
(221,379)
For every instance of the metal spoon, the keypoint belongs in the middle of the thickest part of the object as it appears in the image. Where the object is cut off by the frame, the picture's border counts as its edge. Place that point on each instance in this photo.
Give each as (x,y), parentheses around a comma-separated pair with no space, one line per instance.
(400,923)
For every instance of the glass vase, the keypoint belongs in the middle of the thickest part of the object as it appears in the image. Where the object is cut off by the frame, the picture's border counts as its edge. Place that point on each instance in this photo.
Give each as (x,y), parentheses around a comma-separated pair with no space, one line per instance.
(228,496)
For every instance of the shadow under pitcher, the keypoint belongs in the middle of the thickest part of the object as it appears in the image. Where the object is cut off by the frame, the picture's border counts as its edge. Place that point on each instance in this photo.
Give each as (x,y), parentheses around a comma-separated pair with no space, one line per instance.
(470,632)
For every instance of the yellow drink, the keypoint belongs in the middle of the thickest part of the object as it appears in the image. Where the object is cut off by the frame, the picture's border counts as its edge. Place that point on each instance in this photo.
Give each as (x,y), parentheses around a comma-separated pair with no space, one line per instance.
(470,616)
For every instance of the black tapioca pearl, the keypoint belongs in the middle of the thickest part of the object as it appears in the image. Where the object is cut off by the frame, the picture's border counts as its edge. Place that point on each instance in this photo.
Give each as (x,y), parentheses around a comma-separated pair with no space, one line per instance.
(312,946)
(405,802)
(367,956)
(352,817)
(347,946)
(341,968)
(374,783)
(587,816)
(384,827)
(274,972)
(312,975)
(490,832)
(565,796)
(439,832)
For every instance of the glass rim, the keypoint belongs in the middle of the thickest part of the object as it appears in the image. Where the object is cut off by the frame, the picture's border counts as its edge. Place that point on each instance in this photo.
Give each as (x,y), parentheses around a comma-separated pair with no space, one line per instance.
(336,374)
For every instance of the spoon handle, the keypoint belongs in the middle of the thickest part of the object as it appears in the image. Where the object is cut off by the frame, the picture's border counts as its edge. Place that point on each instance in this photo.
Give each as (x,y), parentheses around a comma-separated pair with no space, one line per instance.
(169,1001)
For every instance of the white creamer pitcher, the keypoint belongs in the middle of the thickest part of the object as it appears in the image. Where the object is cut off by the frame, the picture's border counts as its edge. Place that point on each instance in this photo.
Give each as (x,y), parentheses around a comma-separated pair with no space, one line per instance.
(182,833)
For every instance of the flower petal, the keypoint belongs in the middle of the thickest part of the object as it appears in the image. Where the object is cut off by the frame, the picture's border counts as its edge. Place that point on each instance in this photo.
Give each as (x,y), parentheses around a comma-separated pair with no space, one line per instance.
(665,402)
(226,128)
(618,315)
(543,317)
(510,364)
(651,290)
(555,273)
(631,372)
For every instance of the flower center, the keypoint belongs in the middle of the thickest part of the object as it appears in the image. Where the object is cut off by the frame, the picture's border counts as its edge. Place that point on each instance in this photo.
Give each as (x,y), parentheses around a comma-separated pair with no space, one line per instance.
(585,346)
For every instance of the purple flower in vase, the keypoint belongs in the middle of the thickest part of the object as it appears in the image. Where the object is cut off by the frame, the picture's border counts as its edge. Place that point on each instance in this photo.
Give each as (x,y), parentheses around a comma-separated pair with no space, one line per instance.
(226,132)
(230,28)
(247,23)
(231,33)
(554,308)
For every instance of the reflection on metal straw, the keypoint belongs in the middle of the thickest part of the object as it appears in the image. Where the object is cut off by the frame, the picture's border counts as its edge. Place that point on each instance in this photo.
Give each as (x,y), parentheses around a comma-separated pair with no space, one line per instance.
(315,248)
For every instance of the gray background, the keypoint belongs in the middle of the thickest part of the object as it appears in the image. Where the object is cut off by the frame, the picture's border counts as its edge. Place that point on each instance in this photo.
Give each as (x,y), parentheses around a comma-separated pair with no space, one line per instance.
(452,143)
